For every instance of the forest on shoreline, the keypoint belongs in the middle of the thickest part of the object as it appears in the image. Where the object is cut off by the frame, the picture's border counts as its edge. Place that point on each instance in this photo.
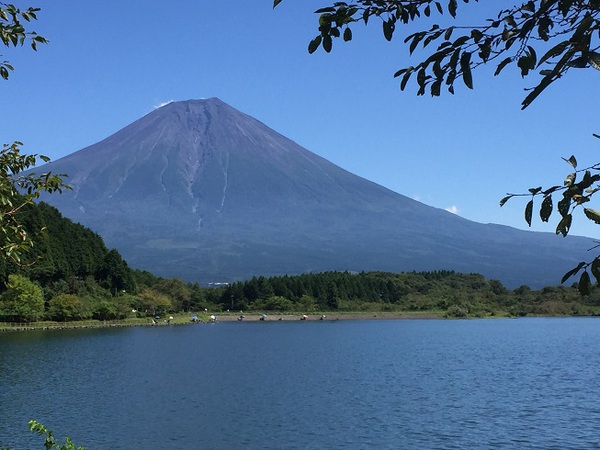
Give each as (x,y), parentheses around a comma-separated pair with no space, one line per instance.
(72,276)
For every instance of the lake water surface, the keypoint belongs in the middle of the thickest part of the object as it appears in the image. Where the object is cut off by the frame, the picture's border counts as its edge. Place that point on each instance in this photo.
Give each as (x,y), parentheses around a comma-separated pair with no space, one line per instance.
(531,383)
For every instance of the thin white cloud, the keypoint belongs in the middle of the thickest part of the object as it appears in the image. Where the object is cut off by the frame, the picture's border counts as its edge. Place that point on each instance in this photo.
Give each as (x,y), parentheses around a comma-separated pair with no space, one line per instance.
(453,209)
(163,104)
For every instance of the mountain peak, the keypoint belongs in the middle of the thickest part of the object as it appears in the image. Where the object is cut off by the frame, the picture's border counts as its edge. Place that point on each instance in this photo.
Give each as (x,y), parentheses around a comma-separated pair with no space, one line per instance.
(198,190)
(195,106)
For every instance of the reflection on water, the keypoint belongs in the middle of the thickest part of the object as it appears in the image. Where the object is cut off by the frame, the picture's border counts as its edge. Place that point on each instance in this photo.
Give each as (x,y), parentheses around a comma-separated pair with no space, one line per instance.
(502,383)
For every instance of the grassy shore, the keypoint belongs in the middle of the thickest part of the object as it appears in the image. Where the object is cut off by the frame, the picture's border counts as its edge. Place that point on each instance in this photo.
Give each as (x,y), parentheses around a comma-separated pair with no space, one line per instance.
(181,319)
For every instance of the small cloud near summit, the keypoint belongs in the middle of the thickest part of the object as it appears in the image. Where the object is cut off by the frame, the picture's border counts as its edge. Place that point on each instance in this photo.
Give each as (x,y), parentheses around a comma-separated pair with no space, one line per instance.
(163,104)
(453,209)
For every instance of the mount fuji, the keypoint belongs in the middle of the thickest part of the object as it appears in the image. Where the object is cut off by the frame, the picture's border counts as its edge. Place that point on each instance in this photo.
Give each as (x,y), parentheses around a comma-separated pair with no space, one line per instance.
(200,191)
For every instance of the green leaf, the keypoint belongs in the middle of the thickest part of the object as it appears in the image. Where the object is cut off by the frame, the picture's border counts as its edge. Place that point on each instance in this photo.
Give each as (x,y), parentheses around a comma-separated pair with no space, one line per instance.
(569,179)
(465,66)
(422,77)
(563,206)
(592,214)
(546,209)
(596,269)
(388,29)
(529,212)
(476,35)
(510,20)
(527,61)
(400,72)
(452,6)
(502,65)
(505,199)
(327,43)
(594,59)
(328,9)
(416,38)
(435,88)
(460,41)
(582,28)
(572,272)
(405,78)
(347,34)
(571,161)
(546,81)
(564,225)
(554,51)
(578,63)
(585,285)
(314,44)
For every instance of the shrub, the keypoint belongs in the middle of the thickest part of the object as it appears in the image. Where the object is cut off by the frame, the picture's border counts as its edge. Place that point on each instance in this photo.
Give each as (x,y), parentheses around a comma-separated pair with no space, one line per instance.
(66,307)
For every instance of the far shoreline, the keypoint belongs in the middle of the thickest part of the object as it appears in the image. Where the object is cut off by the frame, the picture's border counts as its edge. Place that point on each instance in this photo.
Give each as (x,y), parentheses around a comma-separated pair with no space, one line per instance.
(226,317)
(219,317)
(281,317)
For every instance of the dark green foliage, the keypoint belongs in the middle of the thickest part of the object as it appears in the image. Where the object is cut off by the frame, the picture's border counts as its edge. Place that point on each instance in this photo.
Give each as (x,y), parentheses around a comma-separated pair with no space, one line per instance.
(113,309)
(18,190)
(50,441)
(179,293)
(62,248)
(22,301)
(80,277)
(13,32)
(565,32)
(143,278)
(114,273)
(66,307)
(455,295)
(578,188)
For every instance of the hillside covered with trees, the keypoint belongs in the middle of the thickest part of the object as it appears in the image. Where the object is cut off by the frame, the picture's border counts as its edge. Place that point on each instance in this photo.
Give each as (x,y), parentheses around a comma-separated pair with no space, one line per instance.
(69,274)
(446,292)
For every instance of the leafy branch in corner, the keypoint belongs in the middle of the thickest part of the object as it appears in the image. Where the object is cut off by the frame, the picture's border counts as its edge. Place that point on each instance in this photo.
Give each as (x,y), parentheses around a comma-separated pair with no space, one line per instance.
(49,440)
(16,189)
(566,31)
(577,190)
(13,33)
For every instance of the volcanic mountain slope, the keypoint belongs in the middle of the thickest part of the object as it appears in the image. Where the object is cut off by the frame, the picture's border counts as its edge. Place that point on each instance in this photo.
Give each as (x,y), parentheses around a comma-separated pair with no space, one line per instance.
(200,191)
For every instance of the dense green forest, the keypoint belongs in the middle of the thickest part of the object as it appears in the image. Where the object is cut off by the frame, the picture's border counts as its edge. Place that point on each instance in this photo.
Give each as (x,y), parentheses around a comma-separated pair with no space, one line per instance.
(71,275)
(446,292)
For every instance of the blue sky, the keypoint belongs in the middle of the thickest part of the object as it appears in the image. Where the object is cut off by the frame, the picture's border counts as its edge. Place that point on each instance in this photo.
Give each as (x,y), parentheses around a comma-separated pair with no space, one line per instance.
(109,63)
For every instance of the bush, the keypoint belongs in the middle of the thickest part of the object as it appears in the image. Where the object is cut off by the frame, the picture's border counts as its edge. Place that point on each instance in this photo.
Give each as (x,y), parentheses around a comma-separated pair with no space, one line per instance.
(457,311)
(23,301)
(66,307)
(274,303)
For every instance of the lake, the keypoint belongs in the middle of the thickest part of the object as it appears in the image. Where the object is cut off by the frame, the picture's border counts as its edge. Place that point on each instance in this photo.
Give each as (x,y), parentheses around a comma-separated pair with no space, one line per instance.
(529,383)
